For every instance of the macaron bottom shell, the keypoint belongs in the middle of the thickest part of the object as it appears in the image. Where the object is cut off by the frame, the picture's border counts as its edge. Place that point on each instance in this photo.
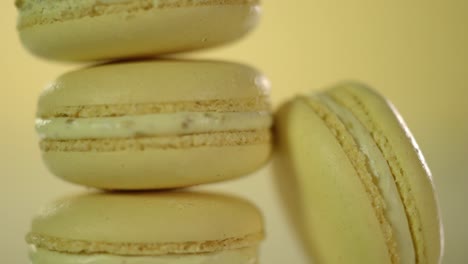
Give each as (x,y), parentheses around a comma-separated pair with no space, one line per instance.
(139,34)
(234,256)
(156,168)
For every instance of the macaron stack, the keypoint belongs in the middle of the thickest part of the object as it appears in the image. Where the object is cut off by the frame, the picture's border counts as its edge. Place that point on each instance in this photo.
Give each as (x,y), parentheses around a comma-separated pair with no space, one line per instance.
(143,124)
(352,177)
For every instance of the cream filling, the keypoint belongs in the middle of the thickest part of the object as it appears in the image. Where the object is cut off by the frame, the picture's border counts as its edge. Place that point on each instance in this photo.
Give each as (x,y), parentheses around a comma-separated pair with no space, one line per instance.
(236,256)
(395,211)
(151,125)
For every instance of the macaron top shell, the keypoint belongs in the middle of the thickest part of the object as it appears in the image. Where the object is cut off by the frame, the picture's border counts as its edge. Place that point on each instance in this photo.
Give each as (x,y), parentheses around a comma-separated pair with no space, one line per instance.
(60,30)
(345,194)
(186,83)
(147,224)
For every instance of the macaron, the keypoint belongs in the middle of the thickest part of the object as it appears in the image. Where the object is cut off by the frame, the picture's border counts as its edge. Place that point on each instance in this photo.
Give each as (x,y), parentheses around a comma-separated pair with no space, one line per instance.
(90,30)
(150,228)
(355,181)
(155,124)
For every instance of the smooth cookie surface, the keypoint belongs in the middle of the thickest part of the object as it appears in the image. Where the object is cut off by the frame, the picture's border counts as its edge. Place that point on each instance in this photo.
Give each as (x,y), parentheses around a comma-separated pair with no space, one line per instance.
(103,29)
(178,227)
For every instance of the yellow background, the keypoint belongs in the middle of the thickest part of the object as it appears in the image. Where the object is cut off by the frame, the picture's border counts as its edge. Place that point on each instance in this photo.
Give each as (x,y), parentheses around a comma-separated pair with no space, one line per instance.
(415,52)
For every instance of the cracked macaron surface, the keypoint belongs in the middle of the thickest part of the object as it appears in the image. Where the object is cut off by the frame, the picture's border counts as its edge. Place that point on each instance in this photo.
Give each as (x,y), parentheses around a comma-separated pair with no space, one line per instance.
(155,124)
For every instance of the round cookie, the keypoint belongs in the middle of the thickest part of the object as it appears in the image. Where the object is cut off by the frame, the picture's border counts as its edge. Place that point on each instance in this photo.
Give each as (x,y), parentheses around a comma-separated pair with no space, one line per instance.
(87,30)
(156,228)
(358,184)
(155,124)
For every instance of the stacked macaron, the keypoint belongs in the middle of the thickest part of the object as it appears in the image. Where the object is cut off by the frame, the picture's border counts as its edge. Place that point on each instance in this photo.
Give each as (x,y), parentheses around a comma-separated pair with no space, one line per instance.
(143,124)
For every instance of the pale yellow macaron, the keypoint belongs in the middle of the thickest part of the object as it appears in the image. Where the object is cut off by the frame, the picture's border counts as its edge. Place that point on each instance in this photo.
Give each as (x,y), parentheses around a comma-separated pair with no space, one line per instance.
(155,124)
(355,180)
(87,30)
(150,228)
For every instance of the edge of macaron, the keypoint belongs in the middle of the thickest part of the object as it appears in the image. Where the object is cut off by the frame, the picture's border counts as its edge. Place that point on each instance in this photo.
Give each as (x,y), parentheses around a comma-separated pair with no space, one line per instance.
(371,108)
(34,13)
(349,145)
(141,249)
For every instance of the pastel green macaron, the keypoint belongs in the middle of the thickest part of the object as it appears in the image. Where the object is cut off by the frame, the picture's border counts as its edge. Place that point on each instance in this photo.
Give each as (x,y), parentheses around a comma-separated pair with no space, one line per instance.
(155,124)
(152,228)
(87,30)
(355,180)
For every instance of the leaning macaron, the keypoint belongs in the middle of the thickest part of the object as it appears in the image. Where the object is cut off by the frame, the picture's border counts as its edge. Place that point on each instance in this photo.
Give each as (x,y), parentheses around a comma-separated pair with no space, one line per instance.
(360,188)
(155,124)
(114,29)
(153,228)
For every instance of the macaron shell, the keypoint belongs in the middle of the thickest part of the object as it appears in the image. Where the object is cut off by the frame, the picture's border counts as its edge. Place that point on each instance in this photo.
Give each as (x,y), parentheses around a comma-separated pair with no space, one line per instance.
(157,168)
(236,256)
(136,34)
(156,82)
(400,146)
(147,224)
(333,213)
